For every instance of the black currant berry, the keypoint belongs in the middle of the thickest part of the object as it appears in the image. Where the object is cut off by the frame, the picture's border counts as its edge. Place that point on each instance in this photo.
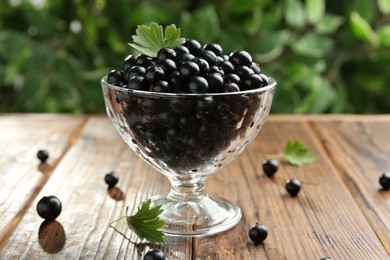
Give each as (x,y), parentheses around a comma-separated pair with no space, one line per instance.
(230,87)
(198,84)
(180,50)
(251,81)
(193,46)
(189,69)
(384,180)
(161,86)
(166,53)
(258,233)
(293,187)
(241,58)
(143,60)
(256,68)
(231,78)
(168,66)
(209,56)
(215,81)
(226,66)
(204,67)
(216,48)
(154,254)
(129,62)
(270,167)
(114,77)
(111,179)
(138,83)
(243,71)
(43,155)
(49,207)
(154,73)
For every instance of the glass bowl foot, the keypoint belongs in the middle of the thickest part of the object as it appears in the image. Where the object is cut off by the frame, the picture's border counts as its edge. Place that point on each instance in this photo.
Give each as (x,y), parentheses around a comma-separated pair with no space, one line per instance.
(192,218)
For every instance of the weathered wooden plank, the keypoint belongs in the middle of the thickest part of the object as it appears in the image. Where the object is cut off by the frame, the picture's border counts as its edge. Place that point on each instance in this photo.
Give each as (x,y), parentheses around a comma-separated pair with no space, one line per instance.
(89,208)
(361,151)
(322,221)
(21,174)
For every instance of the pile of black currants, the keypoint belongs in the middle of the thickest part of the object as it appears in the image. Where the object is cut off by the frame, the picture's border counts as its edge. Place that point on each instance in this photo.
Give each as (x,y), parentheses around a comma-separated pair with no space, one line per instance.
(190,68)
(176,115)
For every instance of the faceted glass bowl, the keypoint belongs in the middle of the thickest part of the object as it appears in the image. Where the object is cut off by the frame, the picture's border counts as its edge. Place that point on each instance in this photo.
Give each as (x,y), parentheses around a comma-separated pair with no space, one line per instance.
(188,137)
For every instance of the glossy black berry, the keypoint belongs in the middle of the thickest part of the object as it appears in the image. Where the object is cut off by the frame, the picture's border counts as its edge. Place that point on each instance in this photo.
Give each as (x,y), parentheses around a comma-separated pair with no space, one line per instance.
(198,84)
(270,167)
(251,81)
(231,77)
(114,77)
(209,56)
(189,69)
(216,48)
(204,67)
(143,60)
(134,71)
(227,67)
(166,53)
(154,254)
(193,46)
(154,73)
(230,87)
(138,83)
(243,71)
(129,62)
(43,155)
(256,68)
(180,50)
(384,180)
(168,66)
(265,79)
(241,58)
(215,81)
(293,187)
(161,86)
(258,233)
(111,179)
(49,207)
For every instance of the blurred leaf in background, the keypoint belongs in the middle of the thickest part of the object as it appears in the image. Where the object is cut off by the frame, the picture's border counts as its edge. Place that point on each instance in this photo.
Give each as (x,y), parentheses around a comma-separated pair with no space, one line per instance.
(328,57)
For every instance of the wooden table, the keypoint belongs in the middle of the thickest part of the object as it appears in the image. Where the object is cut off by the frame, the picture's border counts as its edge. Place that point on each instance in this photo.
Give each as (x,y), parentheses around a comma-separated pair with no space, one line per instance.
(341,211)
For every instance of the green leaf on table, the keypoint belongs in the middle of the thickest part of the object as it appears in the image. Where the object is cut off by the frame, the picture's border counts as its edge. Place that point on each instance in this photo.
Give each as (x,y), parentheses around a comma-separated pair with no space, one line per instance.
(145,223)
(150,39)
(297,153)
(314,10)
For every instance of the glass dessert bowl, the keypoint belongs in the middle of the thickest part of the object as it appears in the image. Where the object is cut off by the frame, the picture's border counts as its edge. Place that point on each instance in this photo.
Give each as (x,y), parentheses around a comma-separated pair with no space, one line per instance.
(188,137)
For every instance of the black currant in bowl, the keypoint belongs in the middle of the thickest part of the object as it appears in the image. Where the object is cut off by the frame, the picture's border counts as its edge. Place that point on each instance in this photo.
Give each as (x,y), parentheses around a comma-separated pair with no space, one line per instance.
(196,122)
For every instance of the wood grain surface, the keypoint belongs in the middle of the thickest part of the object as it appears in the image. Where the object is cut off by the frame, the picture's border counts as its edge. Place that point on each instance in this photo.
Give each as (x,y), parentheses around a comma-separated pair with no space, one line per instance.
(21,174)
(340,212)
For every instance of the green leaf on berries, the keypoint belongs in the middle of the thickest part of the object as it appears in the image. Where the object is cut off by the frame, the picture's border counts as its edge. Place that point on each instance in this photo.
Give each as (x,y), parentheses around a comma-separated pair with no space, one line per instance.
(297,153)
(150,39)
(145,223)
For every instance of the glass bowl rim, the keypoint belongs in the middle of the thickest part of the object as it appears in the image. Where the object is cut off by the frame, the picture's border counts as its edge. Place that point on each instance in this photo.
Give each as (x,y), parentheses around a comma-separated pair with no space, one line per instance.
(271,85)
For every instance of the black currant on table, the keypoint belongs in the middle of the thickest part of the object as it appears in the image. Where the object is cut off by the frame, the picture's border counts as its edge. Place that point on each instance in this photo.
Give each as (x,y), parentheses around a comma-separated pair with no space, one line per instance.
(49,207)
(43,155)
(258,233)
(111,179)
(293,186)
(384,180)
(270,167)
(154,254)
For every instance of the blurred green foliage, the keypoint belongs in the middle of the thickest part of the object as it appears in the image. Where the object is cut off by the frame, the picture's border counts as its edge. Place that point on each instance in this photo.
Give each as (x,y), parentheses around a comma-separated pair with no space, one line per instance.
(327,56)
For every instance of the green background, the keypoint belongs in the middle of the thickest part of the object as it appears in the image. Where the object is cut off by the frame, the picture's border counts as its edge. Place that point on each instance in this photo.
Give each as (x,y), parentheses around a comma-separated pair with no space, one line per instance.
(327,56)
